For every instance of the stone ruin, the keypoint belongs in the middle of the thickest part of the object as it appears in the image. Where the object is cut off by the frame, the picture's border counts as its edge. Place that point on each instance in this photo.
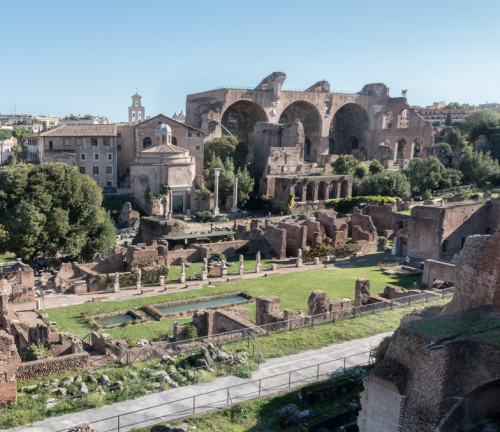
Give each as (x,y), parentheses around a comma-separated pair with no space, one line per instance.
(441,370)
(128,217)
(9,362)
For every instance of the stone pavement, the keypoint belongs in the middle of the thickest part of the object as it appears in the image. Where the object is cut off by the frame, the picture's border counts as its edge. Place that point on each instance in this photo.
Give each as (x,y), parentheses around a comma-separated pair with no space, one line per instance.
(294,370)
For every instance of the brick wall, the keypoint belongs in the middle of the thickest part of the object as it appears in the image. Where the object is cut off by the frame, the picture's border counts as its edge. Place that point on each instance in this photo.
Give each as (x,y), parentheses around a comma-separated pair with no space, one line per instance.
(39,368)
(8,393)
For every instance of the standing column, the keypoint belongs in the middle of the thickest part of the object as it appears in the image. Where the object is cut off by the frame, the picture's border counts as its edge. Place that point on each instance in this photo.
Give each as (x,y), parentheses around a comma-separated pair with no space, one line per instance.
(216,191)
(235,196)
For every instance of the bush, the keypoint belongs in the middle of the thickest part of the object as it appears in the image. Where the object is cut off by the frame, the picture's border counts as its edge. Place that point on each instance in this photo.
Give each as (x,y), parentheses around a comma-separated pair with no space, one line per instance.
(289,204)
(204,216)
(379,352)
(320,251)
(147,277)
(376,167)
(346,205)
(217,256)
(242,371)
(346,250)
(178,216)
(190,332)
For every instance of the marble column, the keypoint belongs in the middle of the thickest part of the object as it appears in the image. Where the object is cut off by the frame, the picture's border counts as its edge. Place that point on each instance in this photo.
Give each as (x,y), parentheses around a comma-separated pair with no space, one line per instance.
(216,191)
(234,209)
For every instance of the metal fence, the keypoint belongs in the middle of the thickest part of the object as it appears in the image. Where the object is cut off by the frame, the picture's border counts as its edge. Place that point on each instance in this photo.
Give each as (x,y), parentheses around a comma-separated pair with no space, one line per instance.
(229,395)
(126,356)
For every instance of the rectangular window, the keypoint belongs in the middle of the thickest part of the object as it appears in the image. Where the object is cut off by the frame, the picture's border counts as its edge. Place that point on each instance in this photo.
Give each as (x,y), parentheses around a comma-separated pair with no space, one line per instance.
(78,142)
(119,135)
(190,134)
(118,147)
(197,134)
(106,142)
(95,170)
(51,145)
(96,156)
(66,141)
(109,169)
(82,170)
(197,147)
(110,156)
(83,156)
(93,141)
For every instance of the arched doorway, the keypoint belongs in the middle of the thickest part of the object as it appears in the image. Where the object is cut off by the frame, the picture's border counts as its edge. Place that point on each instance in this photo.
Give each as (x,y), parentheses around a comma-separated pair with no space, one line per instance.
(298,192)
(310,192)
(344,189)
(348,127)
(401,148)
(322,191)
(240,118)
(417,147)
(146,142)
(332,193)
(310,118)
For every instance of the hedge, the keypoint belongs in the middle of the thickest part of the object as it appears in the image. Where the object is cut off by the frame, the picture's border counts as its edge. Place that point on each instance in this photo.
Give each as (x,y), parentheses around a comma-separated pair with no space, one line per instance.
(147,277)
(346,205)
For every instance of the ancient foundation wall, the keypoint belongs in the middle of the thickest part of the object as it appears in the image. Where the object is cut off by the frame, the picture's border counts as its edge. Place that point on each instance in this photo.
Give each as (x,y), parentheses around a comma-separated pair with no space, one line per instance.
(38,368)
(437,270)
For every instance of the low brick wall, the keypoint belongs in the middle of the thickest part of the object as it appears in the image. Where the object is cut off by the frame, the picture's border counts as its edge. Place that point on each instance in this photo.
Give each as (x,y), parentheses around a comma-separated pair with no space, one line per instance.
(38,368)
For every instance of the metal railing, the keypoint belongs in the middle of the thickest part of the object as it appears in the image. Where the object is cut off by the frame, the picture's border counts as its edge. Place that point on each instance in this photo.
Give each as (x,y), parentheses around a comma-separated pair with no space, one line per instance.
(126,356)
(229,395)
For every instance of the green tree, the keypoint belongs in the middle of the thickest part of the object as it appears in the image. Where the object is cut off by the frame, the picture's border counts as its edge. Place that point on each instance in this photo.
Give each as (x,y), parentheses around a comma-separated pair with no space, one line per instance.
(21,135)
(245,184)
(451,177)
(478,167)
(226,177)
(5,134)
(481,122)
(361,171)
(376,167)
(448,120)
(455,139)
(52,209)
(224,147)
(386,183)
(346,164)
(425,174)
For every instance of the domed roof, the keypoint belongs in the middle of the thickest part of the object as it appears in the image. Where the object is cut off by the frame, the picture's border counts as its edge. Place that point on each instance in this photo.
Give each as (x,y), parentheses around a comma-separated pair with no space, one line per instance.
(163,128)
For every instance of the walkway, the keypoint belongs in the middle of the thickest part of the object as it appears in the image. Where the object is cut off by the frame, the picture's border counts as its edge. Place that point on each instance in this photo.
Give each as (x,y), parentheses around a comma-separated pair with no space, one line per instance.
(303,363)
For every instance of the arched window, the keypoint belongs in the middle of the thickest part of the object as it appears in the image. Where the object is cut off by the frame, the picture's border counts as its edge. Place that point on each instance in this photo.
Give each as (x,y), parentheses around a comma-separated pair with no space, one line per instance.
(387,122)
(354,143)
(298,192)
(136,103)
(146,142)
(404,118)
(139,115)
(163,139)
(174,140)
(232,123)
(157,140)
(401,148)
(133,116)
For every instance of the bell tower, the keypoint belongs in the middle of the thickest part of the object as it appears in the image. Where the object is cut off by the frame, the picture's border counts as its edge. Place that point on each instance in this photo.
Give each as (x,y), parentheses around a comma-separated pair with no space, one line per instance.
(136,112)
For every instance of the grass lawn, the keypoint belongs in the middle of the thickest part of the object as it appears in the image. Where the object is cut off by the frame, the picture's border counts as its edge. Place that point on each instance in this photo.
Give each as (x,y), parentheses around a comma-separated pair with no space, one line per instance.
(7,258)
(292,288)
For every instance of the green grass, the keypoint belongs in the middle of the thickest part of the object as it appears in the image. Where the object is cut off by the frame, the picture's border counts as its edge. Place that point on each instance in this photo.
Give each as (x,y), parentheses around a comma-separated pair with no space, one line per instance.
(7,258)
(292,288)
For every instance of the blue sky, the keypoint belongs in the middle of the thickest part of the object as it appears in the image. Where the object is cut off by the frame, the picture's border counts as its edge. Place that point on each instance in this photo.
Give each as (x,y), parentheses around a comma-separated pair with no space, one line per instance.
(61,57)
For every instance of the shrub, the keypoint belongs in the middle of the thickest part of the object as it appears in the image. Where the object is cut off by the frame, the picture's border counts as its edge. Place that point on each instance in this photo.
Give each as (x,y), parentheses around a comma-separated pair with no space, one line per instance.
(34,352)
(178,216)
(203,216)
(346,250)
(217,256)
(378,353)
(190,332)
(321,251)
(242,371)
(289,204)
(346,205)
(239,412)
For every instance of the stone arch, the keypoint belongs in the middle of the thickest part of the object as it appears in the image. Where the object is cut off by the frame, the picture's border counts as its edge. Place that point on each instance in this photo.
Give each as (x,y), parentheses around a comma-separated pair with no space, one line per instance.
(331,146)
(146,142)
(387,120)
(478,406)
(174,140)
(297,191)
(344,189)
(418,144)
(310,118)
(322,191)
(404,119)
(310,191)
(332,191)
(349,123)
(239,119)
(400,148)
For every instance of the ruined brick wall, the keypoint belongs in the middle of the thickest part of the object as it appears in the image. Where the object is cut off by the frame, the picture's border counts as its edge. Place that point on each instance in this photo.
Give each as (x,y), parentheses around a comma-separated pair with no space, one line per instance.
(9,361)
(477,273)
(22,294)
(44,367)
(362,292)
(276,240)
(227,320)
(363,227)
(439,270)
(381,216)
(424,232)
(494,215)
(152,228)
(266,309)
(296,237)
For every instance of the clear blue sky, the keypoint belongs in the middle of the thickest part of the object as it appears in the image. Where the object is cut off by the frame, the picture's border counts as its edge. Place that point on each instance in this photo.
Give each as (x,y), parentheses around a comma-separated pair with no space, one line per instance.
(61,57)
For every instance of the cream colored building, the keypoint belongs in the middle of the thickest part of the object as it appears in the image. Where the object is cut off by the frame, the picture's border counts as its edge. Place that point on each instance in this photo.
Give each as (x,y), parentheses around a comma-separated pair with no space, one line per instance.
(163,171)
